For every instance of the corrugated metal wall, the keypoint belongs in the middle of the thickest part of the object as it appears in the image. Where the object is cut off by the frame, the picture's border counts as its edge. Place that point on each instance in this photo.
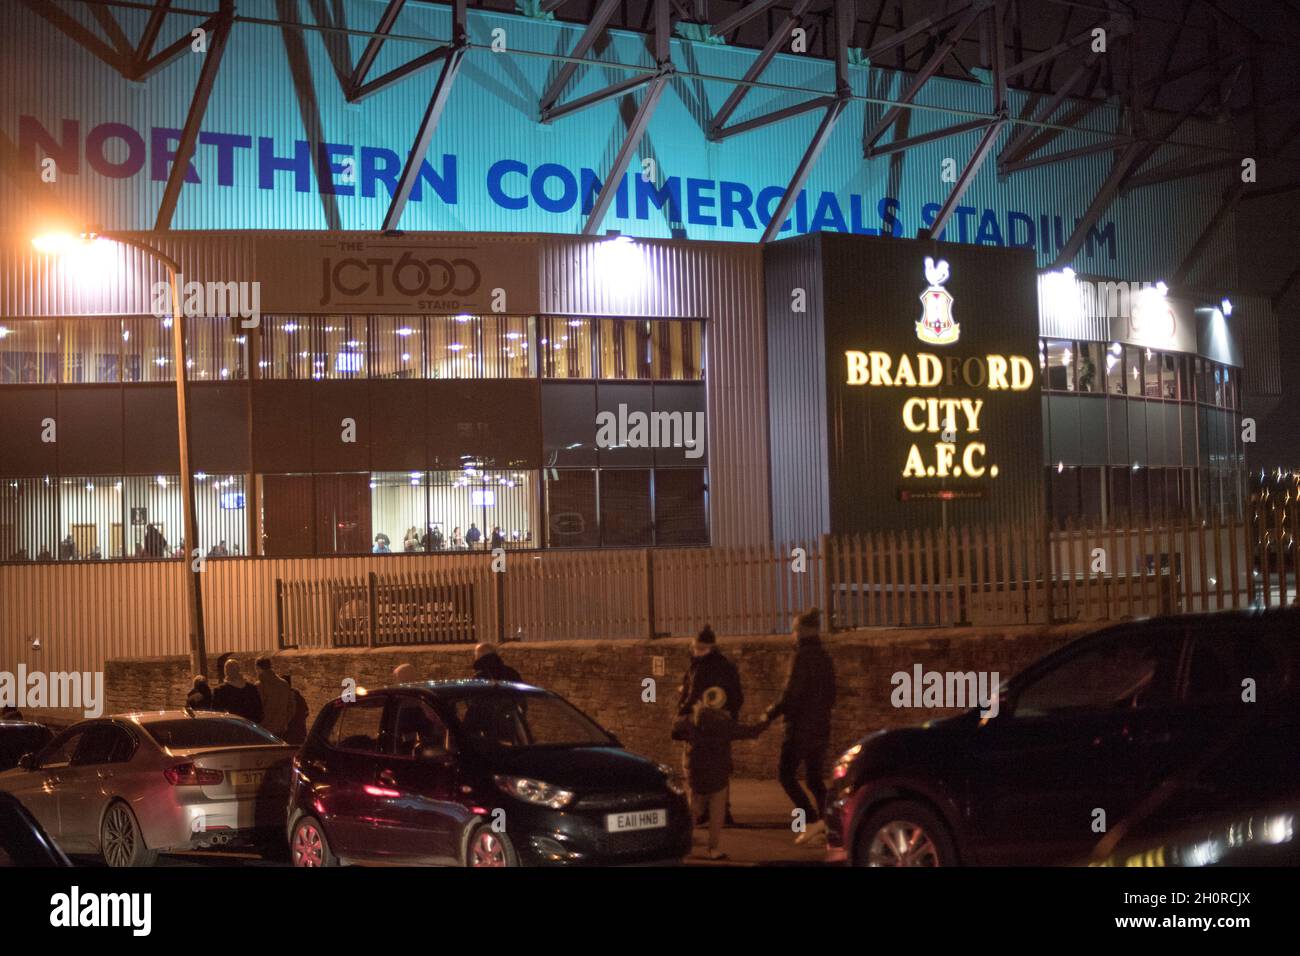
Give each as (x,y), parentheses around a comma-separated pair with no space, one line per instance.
(1257,330)
(720,282)
(797,389)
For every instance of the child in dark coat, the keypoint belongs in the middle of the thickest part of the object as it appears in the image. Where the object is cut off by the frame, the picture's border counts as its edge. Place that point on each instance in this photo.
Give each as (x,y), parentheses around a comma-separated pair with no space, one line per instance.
(708,731)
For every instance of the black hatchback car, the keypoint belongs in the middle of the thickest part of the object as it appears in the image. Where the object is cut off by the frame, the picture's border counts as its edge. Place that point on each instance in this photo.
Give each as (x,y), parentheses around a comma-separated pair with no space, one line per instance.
(1141,727)
(477,773)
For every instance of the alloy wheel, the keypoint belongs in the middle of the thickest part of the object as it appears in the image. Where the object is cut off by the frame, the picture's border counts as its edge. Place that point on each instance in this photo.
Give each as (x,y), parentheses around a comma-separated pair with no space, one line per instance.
(119,837)
(308,846)
(487,850)
(902,843)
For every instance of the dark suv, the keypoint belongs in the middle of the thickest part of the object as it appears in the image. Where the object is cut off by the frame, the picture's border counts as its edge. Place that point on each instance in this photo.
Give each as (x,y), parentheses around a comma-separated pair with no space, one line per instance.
(477,773)
(1137,728)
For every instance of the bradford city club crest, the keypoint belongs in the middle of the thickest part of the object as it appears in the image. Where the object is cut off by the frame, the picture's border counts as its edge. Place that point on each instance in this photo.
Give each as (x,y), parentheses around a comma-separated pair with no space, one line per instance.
(936,324)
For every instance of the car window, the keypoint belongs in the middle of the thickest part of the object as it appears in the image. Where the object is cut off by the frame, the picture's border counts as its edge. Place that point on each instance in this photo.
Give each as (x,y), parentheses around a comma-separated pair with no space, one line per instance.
(359,727)
(511,720)
(59,752)
(417,730)
(1127,671)
(1222,661)
(189,732)
(102,744)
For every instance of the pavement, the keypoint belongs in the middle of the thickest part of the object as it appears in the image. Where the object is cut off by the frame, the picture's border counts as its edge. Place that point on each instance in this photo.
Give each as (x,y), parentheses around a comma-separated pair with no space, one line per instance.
(762,836)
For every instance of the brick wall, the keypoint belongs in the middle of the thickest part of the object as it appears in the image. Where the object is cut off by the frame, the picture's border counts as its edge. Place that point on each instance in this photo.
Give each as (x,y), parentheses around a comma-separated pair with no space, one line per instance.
(604,678)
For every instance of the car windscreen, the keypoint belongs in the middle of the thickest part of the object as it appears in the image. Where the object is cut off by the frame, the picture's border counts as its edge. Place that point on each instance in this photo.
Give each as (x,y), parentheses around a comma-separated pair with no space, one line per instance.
(510,720)
(188,734)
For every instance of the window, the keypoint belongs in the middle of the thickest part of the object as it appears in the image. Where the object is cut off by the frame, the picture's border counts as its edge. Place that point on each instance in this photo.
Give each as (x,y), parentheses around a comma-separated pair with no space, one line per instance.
(625,508)
(104,743)
(90,349)
(208,732)
(59,752)
(681,512)
(1090,365)
(29,519)
(223,520)
(147,349)
(216,349)
(498,719)
(571,509)
(1122,672)
(1114,369)
(153,509)
(418,732)
(1060,366)
(1169,387)
(567,347)
(474,346)
(396,346)
(29,352)
(359,727)
(1132,370)
(625,349)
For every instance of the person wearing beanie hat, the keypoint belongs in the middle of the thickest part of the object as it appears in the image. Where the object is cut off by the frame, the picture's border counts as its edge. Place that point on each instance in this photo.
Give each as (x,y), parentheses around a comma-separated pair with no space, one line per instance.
(709,667)
(708,730)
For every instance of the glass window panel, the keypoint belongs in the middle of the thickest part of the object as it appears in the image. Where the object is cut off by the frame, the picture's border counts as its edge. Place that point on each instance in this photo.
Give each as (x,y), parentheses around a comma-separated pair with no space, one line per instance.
(343,514)
(566,347)
(90,514)
(29,519)
(219,504)
(154,516)
(625,349)
(286,519)
(339,346)
(1114,363)
(1133,370)
(1089,367)
(571,509)
(216,349)
(29,352)
(396,346)
(147,349)
(91,350)
(1151,373)
(681,512)
(287,350)
(473,346)
(1060,366)
(625,507)
(398,511)
(677,347)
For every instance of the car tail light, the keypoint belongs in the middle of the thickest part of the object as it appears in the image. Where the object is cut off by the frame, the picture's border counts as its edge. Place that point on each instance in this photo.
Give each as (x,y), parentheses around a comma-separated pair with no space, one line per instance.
(190,775)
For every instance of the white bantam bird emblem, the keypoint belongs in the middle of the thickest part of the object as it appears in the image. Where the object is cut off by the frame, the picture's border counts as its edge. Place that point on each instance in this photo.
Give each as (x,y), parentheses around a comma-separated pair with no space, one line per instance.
(936,324)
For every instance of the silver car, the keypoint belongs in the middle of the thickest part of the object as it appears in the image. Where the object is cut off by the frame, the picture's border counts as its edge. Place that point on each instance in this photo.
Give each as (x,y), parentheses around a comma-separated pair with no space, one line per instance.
(130,786)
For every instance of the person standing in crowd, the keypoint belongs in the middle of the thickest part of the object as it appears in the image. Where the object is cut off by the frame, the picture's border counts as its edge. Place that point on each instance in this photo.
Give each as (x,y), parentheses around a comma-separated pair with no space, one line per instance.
(68,549)
(297,731)
(457,540)
(276,696)
(200,695)
(498,539)
(236,696)
(473,536)
(155,545)
(708,730)
(710,668)
(412,540)
(488,665)
(382,542)
(806,706)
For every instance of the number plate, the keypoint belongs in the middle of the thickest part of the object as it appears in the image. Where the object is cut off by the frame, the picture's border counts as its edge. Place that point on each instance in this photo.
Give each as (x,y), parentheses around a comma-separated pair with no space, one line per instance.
(249,778)
(637,820)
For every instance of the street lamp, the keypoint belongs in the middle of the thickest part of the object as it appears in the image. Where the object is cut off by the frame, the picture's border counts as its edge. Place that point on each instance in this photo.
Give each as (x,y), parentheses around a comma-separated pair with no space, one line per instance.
(58,243)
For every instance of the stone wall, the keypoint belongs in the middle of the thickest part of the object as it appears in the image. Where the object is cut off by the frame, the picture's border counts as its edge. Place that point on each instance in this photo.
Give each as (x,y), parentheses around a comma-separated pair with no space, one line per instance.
(604,678)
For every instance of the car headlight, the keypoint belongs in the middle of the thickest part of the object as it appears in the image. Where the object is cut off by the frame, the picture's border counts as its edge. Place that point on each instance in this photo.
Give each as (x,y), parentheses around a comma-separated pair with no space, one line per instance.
(535,791)
(845,761)
(670,778)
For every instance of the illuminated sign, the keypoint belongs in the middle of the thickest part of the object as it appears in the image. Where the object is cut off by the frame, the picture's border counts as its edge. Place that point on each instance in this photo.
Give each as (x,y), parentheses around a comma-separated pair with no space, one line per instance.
(945,416)
(936,324)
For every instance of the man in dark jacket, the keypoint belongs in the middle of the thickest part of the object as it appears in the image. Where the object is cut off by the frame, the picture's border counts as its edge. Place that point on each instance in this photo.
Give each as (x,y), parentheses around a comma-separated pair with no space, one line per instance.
(236,695)
(488,665)
(806,706)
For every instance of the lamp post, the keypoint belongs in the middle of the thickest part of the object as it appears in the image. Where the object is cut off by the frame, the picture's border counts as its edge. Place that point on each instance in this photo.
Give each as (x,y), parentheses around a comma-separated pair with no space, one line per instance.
(58,243)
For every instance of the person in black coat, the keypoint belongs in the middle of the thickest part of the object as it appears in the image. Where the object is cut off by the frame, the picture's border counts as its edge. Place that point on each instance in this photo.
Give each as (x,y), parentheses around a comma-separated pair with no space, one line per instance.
(806,706)
(710,668)
(200,695)
(488,665)
(236,696)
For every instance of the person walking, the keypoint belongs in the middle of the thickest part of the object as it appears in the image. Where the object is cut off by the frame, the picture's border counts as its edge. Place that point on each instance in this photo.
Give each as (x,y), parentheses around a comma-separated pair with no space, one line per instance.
(276,697)
(236,696)
(709,667)
(488,665)
(806,707)
(708,731)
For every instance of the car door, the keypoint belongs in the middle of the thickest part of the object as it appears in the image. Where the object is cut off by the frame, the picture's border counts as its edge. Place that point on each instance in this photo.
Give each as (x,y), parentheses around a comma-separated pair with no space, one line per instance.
(88,782)
(39,788)
(1041,771)
(420,773)
(355,810)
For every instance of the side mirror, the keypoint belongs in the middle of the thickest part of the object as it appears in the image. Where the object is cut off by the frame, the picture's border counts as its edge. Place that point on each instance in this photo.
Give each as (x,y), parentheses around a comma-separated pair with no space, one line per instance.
(27,762)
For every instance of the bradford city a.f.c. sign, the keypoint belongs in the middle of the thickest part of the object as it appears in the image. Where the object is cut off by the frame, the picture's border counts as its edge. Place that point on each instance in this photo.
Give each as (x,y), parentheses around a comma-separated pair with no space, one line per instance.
(936,324)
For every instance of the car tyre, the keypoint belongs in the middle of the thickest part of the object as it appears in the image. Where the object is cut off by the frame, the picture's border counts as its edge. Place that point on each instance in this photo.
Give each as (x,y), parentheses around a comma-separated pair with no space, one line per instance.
(904,833)
(487,847)
(121,843)
(309,846)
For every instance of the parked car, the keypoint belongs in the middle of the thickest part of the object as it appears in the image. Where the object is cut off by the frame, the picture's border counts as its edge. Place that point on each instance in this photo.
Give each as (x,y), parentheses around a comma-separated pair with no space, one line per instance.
(23,842)
(477,773)
(1148,719)
(18,737)
(130,786)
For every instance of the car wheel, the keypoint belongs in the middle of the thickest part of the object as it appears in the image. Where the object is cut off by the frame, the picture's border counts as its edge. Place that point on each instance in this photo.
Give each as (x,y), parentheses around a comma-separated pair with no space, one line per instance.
(309,846)
(120,841)
(488,848)
(904,833)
